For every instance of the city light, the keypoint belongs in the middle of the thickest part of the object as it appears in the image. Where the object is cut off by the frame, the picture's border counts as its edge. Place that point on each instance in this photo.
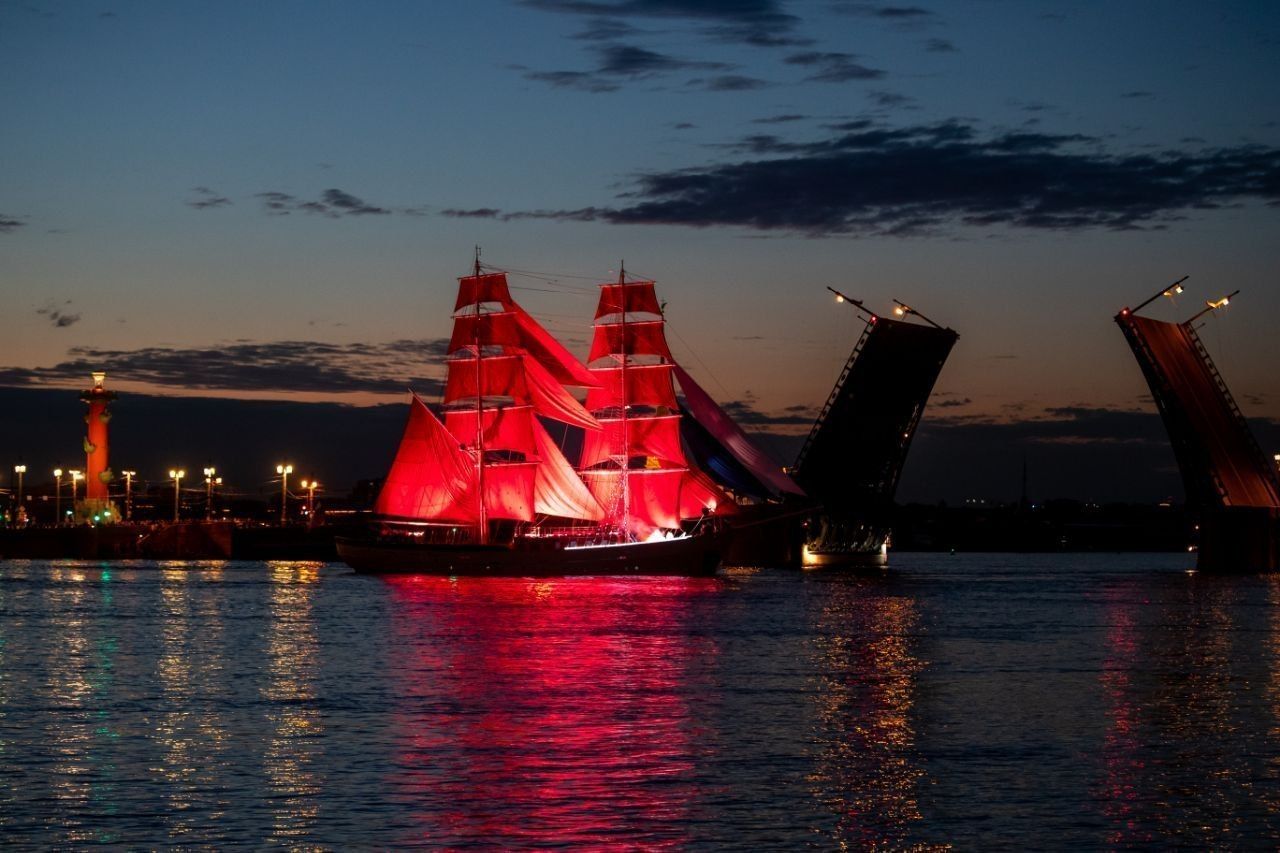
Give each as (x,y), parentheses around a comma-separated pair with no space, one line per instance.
(128,493)
(18,515)
(284,470)
(176,474)
(310,486)
(210,480)
(57,494)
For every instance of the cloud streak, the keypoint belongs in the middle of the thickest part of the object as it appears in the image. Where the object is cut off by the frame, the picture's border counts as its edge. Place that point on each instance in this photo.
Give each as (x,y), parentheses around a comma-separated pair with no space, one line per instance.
(286,366)
(58,315)
(333,204)
(868,179)
(757,22)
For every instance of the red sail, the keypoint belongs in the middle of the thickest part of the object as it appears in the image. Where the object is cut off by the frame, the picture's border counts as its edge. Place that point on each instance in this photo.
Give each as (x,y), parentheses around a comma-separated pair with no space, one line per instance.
(475,289)
(558,490)
(431,478)
(654,496)
(713,418)
(699,493)
(642,338)
(521,378)
(549,352)
(497,328)
(502,376)
(509,428)
(657,438)
(509,490)
(631,298)
(647,385)
(551,400)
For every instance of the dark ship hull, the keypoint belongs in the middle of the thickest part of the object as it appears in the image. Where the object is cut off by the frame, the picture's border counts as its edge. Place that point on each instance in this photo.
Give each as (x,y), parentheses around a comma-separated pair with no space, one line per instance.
(690,556)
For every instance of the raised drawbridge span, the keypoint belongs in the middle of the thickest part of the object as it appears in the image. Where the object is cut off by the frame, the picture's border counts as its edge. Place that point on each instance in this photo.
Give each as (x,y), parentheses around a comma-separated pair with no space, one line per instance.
(853,457)
(1229,481)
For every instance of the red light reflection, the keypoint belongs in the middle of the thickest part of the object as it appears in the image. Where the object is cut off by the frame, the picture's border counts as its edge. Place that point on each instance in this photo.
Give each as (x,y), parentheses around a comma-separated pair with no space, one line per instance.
(547,712)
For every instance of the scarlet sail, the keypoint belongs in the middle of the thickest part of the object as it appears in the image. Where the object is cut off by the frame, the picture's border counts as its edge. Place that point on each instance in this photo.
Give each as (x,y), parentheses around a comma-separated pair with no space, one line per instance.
(636,466)
(491,459)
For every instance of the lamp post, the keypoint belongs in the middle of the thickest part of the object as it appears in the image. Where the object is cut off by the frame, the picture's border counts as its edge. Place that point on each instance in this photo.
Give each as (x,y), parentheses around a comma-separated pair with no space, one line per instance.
(284,471)
(76,476)
(310,486)
(128,494)
(57,495)
(18,513)
(209,482)
(176,475)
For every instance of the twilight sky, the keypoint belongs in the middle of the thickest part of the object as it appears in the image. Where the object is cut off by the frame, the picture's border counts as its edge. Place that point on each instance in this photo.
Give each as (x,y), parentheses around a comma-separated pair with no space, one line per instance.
(272,201)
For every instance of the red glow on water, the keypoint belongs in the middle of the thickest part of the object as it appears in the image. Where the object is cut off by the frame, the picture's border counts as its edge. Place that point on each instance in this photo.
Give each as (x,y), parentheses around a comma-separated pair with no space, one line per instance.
(551,712)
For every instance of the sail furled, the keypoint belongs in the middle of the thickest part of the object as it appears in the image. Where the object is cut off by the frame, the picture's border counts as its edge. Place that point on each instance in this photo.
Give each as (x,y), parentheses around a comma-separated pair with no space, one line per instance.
(715,421)
(635,465)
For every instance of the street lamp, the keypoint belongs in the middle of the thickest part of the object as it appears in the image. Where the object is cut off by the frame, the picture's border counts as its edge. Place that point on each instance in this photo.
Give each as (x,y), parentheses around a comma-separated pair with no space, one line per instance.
(284,471)
(176,475)
(57,495)
(209,482)
(76,476)
(310,486)
(18,513)
(128,494)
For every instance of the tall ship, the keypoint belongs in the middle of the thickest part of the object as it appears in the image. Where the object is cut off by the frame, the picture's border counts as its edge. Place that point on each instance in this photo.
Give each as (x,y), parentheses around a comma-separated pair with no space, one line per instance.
(489,491)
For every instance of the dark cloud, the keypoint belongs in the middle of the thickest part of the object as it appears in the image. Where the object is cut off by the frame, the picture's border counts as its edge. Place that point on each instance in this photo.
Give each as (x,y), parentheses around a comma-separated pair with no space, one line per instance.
(605,29)
(206,198)
(683,125)
(348,205)
(756,22)
(912,180)
(950,403)
(622,60)
(618,62)
(586,81)
(333,203)
(834,67)
(745,414)
(730,83)
(8,224)
(58,315)
(299,366)
(476,213)
(939,46)
(891,99)
(1137,95)
(783,118)
(894,13)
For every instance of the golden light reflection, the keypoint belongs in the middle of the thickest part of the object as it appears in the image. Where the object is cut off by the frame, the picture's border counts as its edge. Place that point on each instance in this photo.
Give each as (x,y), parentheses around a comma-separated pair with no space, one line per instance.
(290,688)
(190,732)
(868,772)
(68,690)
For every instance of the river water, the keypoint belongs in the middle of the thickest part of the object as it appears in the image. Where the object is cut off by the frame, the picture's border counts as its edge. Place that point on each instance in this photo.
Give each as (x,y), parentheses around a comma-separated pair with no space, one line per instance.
(974,701)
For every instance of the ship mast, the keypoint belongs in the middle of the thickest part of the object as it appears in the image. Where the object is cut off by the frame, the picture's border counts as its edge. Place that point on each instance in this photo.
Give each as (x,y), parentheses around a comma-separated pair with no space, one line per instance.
(484,519)
(626,443)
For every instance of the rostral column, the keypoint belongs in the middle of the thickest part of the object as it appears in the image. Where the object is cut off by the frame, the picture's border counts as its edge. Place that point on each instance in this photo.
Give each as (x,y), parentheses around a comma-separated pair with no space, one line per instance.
(97,474)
